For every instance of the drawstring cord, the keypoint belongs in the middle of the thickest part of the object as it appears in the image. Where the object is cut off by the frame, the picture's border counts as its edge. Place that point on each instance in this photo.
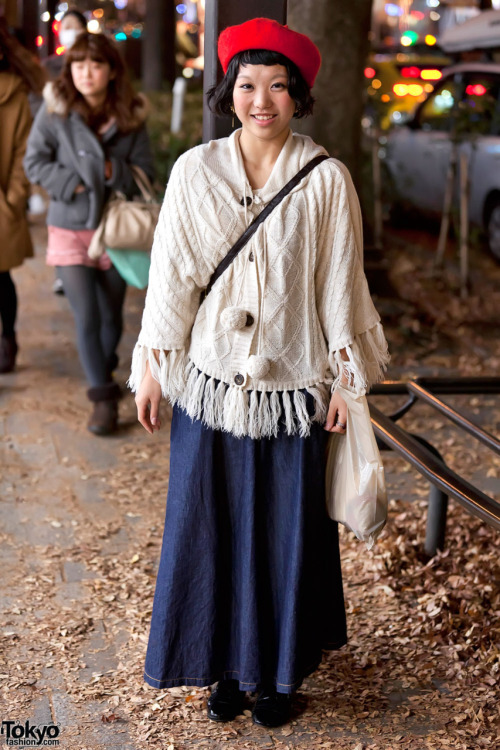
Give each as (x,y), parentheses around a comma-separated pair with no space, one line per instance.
(262,288)
(264,257)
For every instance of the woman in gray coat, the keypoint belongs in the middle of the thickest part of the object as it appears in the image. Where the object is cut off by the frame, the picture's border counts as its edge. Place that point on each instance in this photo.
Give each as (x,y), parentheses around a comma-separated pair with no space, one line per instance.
(84,140)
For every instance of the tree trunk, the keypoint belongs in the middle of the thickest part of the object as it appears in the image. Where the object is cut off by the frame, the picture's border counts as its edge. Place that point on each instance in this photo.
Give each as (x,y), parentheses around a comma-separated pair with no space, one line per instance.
(158,45)
(340,30)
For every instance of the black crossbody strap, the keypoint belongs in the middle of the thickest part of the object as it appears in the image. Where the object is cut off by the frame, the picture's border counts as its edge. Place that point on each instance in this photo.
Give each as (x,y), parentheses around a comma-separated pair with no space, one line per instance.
(250,230)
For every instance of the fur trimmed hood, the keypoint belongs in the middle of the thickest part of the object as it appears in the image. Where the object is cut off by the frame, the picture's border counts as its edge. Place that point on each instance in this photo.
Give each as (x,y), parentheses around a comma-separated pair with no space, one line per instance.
(56,106)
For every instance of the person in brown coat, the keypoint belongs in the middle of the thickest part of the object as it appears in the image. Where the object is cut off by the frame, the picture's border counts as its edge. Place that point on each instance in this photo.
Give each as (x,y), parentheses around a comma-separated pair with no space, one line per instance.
(19,74)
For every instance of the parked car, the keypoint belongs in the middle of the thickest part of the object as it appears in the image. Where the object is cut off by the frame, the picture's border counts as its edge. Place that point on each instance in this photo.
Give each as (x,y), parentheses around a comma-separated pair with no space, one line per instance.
(463,108)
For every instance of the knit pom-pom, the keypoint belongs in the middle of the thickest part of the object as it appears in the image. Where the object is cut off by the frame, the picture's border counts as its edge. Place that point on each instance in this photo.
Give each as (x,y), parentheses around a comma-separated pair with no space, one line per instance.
(258,367)
(233,318)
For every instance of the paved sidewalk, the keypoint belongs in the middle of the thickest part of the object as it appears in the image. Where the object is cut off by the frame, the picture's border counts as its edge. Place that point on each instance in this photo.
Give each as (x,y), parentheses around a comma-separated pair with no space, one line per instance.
(79,551)
(51,481)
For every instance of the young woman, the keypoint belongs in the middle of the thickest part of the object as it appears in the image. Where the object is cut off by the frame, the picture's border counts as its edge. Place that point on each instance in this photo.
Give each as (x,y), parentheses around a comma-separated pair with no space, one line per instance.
(84,140)
(19,74)
(249,587)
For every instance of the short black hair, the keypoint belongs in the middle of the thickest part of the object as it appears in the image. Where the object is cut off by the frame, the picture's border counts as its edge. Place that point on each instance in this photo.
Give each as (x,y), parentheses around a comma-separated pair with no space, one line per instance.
(220,97)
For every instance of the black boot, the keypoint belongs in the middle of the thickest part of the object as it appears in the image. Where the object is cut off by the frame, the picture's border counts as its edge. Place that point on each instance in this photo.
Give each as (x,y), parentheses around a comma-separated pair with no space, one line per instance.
(8,351)
(226,701)
(104,418)
(272,709)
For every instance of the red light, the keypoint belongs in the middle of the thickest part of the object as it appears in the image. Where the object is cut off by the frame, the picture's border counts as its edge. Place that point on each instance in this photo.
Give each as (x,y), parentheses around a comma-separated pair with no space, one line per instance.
(475,89)
(60,50)
(370,72)
(39,41)
(418,15)
(410,72)
(56,26)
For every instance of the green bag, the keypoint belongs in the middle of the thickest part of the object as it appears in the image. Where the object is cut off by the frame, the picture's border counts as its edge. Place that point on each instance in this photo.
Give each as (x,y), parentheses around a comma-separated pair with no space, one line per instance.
(132,265)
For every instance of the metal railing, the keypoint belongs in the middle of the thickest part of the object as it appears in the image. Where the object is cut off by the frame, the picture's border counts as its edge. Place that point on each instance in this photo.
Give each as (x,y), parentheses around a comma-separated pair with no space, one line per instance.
(426,458)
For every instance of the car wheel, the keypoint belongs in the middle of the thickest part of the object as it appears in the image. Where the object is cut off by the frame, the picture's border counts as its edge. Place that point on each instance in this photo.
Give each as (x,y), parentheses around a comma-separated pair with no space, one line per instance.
(493,230)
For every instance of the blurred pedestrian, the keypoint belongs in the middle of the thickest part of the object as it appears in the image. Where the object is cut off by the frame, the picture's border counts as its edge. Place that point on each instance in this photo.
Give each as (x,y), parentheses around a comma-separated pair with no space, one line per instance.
(249,587)
(89,132)
(19,74)
(71,24)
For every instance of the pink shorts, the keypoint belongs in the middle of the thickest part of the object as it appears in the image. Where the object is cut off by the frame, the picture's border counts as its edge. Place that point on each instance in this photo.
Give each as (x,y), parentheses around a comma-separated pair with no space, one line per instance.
(68,247)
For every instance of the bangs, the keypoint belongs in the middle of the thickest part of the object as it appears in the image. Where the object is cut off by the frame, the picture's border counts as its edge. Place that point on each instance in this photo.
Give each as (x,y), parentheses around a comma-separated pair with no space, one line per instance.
(85,48)
(262,57)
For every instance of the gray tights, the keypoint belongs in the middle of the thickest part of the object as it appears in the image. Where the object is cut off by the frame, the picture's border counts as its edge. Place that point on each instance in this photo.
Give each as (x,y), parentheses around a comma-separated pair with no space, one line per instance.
(96,298)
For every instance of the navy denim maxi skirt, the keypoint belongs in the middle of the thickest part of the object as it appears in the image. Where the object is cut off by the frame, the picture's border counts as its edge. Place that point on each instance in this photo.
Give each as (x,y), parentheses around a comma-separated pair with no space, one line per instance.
(249,584)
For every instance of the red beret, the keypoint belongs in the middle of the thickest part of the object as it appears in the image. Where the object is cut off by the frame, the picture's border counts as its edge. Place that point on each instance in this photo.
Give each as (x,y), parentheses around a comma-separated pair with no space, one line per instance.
(263,33)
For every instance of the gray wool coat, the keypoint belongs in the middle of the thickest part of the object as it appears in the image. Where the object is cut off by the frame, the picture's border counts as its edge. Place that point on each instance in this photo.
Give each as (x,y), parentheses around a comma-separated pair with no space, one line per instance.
(63,152)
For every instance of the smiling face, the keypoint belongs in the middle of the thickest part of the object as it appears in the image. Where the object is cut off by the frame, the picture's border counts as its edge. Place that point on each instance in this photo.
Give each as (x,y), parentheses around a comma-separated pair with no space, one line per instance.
(91,78)
(262,102)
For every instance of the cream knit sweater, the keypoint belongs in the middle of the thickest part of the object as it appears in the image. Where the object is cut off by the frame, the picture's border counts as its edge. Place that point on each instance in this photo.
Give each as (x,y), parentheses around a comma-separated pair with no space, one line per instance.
(277,318)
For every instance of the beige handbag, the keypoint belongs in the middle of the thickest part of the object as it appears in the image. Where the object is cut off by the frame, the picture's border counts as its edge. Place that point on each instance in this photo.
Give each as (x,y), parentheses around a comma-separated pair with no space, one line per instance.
(127,224)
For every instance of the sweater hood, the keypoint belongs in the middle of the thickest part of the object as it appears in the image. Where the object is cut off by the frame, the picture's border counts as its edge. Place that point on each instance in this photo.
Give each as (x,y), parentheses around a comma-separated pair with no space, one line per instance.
(10,84)
(55,105)
(296,152)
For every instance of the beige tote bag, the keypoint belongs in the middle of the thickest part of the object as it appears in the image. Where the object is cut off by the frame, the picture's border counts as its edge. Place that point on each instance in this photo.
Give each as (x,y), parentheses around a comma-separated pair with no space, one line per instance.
(355,484)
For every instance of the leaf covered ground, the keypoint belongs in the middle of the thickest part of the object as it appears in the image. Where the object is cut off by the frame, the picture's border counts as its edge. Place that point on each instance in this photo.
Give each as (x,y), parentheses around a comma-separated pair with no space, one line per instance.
(81,534)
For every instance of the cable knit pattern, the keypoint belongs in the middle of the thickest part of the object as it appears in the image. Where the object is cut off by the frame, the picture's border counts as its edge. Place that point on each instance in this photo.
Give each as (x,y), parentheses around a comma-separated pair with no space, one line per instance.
(292,299)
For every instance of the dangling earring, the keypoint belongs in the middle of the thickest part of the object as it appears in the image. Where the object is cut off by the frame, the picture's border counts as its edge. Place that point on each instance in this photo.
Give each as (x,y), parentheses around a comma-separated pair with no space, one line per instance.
(233,112)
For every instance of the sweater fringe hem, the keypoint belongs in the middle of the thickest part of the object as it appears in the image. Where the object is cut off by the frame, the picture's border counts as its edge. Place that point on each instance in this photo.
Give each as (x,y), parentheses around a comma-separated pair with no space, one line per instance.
(258,414)
(368,359)
(225,407)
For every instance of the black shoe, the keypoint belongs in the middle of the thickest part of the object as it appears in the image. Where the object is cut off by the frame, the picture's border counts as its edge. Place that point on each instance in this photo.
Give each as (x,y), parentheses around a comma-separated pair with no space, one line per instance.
(226,701)
(272,709)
